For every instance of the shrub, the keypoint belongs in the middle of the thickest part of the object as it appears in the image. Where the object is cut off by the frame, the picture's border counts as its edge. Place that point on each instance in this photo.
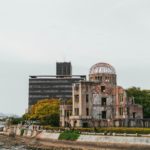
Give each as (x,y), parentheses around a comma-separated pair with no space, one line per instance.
(69,135)
(22,132)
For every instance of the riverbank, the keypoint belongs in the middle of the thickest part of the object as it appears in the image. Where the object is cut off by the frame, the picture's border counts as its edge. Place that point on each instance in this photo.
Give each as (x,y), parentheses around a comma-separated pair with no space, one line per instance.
(39,139)
(36,144)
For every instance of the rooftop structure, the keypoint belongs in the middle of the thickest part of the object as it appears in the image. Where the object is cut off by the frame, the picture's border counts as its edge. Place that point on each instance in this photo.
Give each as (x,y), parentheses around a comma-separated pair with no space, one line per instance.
(63,69)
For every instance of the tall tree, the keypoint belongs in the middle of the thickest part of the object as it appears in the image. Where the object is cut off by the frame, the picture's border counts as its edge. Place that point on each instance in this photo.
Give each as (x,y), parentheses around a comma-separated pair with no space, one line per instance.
(141,97)
(45,111)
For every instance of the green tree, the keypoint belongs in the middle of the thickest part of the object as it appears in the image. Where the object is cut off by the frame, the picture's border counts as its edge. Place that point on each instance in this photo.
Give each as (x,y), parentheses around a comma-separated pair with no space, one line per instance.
(141,97)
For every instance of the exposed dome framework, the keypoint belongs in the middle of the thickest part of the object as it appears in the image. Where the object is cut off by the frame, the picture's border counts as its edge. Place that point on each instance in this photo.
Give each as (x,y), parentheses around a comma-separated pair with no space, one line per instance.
(102,68)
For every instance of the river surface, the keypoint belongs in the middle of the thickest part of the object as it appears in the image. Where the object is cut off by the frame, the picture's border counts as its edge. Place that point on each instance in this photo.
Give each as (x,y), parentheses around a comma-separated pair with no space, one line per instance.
(14,148)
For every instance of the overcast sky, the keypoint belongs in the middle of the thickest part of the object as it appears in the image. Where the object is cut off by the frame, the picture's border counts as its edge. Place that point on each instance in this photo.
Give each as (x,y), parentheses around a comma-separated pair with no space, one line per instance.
(34,34)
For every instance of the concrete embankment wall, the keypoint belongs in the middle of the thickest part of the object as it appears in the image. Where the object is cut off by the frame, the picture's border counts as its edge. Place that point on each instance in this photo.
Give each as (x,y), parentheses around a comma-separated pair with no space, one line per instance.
(114,139)
(83,138)
(45,135)
(100,139)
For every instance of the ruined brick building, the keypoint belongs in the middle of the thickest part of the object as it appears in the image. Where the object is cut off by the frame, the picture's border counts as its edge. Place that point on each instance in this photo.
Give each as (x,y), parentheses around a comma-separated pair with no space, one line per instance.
(99,101)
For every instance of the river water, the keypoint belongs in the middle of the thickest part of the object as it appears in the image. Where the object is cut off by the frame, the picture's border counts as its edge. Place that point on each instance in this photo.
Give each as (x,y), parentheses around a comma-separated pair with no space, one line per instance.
(14,148)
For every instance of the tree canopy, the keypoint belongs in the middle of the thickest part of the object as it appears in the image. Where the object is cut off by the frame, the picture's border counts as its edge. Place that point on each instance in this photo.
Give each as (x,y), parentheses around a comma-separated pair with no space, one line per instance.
(141,97)
(45,111)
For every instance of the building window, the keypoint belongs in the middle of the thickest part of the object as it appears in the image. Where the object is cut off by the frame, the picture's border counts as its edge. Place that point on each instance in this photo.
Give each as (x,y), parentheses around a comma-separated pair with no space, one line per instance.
(77,98)
(67,113)
(121,97)
(103,114)
(76,87)
(87,88)
(70,113)
(87,98)
(102,88)
(103,101)
(106,79)
(85,124)
(120,111)
(76,111)
(134,115)
(87,111)
(100,78)
(128,111)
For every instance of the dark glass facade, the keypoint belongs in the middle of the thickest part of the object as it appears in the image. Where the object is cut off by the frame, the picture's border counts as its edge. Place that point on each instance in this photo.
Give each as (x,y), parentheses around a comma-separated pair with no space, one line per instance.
(45,87)
(63,69)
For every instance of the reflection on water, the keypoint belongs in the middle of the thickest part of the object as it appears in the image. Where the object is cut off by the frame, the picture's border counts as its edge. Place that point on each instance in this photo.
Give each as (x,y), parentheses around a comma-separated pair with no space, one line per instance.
(14,148)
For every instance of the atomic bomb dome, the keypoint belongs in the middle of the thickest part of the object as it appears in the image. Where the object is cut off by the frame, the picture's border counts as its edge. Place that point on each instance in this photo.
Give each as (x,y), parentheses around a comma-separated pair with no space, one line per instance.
(100,102)
(103,72)
(101,68)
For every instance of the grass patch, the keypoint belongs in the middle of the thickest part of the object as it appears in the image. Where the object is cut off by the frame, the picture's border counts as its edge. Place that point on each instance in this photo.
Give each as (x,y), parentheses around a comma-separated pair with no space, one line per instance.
(71,135)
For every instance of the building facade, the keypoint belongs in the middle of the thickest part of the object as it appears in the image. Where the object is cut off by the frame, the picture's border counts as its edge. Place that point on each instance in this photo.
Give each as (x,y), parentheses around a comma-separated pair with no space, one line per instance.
(46,87)
(53,86)
(100,101)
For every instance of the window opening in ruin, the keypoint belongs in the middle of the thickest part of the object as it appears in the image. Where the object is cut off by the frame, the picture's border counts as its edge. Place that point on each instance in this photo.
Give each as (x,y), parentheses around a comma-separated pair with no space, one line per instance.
(87,88)
(77,98)
(66,113)
(102,88)
(100,78)
(76,87)
(76,111)
(121,97)
(70,113)
(128,111)
(85,125)
(104,101)
(134,114)
(107,79)
(87,111)
(87,98)
(103,114)
(74,123)
(120,111)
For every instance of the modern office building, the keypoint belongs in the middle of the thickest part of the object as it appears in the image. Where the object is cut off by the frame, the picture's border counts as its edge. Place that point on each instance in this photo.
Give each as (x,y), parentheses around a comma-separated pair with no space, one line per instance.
(58,86)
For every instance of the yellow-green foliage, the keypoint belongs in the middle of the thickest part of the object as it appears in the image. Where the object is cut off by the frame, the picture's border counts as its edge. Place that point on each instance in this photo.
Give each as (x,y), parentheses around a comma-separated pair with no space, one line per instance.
(45,107)
(44,110)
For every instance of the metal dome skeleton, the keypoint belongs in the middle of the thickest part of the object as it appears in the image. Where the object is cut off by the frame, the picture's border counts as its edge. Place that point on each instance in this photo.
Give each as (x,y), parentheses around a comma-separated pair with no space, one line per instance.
(101,68)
